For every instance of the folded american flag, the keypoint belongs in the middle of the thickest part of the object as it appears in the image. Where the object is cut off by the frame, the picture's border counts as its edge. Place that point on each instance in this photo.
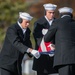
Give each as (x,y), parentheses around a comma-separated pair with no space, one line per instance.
(45,48)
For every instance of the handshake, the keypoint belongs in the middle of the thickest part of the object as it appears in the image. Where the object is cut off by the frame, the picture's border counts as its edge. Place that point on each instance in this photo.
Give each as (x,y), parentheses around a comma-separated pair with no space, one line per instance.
(35,53)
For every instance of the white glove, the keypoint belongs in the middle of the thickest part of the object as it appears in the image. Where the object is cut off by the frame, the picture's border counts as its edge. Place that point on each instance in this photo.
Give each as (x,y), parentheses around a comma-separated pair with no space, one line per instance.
(52,46)
(51,55)
(44,31)
(35,53)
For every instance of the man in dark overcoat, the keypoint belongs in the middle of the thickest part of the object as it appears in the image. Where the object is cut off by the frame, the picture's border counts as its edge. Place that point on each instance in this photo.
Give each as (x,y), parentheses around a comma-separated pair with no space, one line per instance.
(43,65)
(17,43)
(63,29)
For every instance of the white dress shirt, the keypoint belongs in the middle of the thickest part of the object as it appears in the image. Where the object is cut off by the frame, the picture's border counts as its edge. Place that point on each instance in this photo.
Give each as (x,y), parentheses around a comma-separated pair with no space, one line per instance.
(24,30)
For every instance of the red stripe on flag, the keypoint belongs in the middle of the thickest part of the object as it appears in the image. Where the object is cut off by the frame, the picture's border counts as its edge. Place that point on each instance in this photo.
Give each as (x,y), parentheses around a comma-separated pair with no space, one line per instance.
(46,45)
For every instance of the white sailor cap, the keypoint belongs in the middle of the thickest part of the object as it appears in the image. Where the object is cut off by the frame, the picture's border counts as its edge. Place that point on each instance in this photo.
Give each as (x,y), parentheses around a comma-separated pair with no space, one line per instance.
(25,15)
(50,6)
(65,9)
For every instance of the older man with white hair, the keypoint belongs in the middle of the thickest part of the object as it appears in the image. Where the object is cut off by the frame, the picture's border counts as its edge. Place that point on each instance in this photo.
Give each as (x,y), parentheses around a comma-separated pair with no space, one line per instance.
(17,43)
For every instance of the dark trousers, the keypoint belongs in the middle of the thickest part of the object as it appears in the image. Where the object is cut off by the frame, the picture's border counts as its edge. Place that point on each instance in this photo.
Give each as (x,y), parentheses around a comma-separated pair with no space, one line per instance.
(5,72)
(39,73)
(67,70)
(0,71)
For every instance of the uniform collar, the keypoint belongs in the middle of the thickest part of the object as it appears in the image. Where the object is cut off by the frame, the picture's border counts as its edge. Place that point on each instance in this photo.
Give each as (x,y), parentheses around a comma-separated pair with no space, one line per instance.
(49,21)
(65,15)
(24,30)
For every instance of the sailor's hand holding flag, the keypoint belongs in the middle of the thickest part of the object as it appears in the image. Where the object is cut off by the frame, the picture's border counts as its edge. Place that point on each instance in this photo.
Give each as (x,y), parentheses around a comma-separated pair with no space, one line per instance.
(52,46)
(35,53)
